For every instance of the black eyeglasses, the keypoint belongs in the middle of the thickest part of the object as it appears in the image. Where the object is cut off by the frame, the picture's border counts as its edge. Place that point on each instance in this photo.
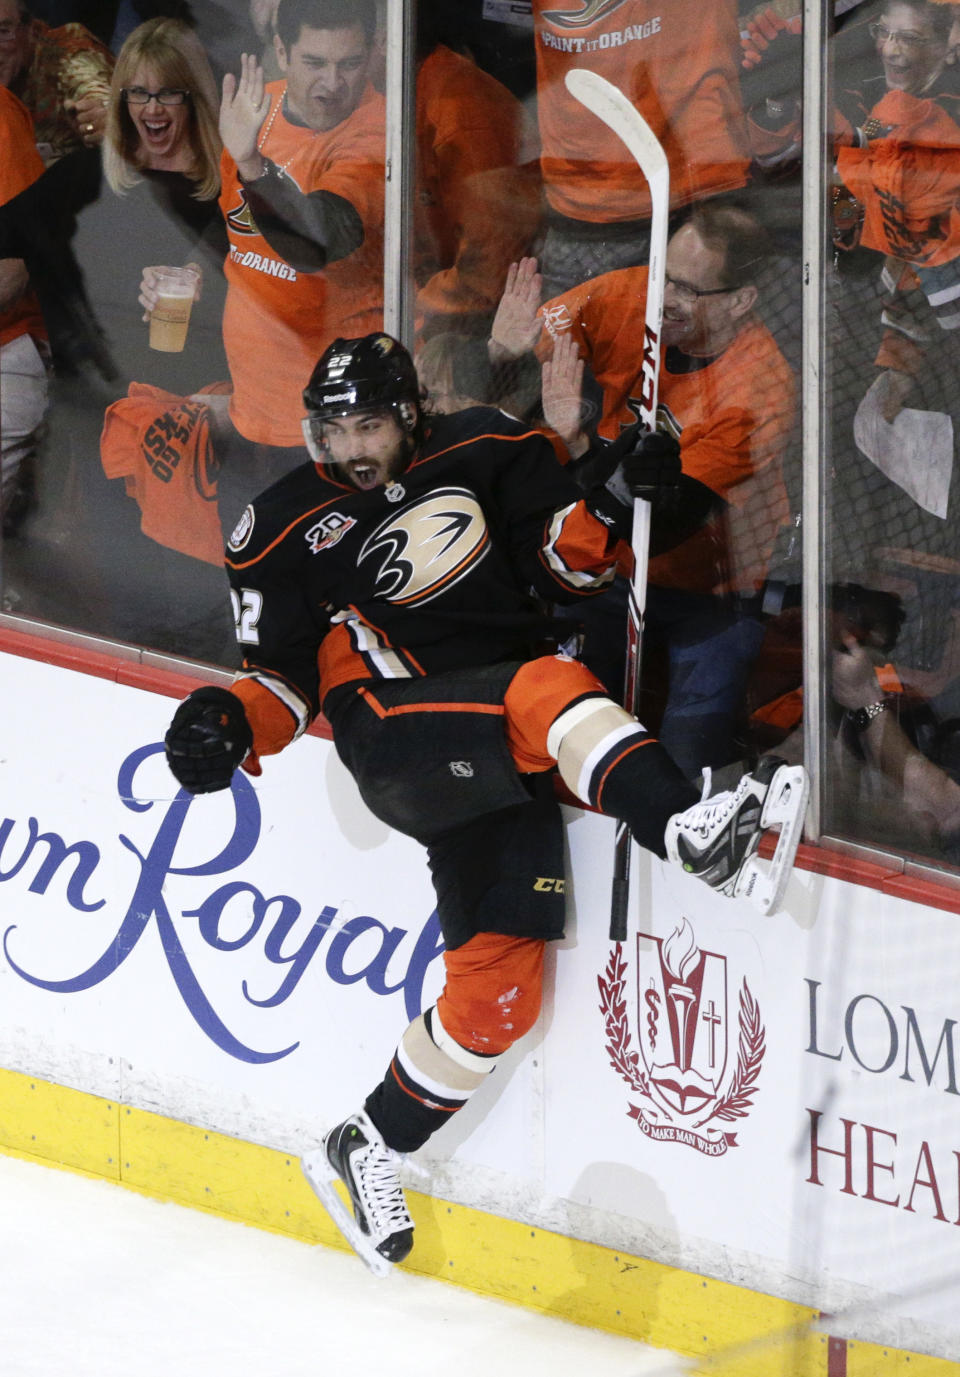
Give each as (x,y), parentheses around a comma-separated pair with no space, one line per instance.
(169,95)
(690,294)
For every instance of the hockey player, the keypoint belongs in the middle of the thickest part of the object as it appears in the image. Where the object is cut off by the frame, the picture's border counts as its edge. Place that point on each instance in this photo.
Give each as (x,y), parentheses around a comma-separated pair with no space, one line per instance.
(387,582)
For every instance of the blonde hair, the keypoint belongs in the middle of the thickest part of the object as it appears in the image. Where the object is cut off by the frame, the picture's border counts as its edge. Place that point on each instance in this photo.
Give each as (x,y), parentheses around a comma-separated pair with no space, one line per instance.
(176,56)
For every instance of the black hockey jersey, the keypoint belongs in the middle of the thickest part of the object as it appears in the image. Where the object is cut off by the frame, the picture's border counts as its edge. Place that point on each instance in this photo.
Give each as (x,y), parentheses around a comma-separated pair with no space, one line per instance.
(445,568)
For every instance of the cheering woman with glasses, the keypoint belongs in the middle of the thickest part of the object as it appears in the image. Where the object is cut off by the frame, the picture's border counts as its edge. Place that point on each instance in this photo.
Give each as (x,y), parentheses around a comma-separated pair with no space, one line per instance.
(161,164)
(158,205)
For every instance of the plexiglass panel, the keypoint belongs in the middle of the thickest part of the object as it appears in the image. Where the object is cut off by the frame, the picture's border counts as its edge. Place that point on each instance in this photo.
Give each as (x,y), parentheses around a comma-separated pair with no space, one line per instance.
(131,445)
(525,266)
(890,545)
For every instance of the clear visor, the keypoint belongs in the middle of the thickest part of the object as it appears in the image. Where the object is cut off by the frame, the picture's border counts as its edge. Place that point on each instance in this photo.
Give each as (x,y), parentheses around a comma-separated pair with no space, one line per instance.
(313,438)
(314,427)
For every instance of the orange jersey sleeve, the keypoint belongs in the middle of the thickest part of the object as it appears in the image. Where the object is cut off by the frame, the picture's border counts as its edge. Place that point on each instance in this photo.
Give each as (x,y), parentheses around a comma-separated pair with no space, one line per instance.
(278,320)
(678,66)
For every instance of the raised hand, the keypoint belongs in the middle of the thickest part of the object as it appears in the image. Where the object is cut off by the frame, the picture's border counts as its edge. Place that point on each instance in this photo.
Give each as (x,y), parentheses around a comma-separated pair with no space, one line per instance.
(772,65)
(562,394)
(516,325)
(763,27)
(242,112)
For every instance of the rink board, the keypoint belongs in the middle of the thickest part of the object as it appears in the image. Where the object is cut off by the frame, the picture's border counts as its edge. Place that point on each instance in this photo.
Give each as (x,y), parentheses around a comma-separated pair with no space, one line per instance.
(718,1131)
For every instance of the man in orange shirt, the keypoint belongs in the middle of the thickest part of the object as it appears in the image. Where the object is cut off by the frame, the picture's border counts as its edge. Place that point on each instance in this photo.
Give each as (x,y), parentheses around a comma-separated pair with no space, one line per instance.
(302,196)
(23,336)
(680,68)
(728,397)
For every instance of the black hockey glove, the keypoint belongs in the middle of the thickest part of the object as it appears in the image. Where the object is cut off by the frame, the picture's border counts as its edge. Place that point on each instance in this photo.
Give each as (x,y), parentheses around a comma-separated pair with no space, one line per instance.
(651,468)
(208,738)
(637,464)
(648,466)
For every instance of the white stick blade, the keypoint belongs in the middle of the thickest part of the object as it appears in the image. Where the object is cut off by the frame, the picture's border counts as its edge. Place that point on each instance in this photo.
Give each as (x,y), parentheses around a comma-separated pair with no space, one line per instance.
(610,105)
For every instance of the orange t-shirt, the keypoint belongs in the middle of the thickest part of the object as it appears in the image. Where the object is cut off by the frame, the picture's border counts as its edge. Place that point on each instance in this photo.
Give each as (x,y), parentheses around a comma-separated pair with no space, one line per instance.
(680,69)
(731,415)
(159,444)
(20,166)
(908,181)
(277,321)
(478,185)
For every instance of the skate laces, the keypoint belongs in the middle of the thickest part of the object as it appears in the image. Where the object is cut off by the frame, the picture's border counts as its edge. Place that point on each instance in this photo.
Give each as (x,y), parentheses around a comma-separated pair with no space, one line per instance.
(717,809)
(378,1182)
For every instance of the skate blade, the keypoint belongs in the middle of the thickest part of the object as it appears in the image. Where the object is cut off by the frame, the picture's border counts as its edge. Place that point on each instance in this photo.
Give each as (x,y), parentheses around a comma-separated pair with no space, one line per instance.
(321,1177)
(764,883)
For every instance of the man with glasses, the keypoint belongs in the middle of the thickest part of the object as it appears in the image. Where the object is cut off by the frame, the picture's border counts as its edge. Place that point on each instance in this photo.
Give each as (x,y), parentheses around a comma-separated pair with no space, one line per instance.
(727,400)
(62,76)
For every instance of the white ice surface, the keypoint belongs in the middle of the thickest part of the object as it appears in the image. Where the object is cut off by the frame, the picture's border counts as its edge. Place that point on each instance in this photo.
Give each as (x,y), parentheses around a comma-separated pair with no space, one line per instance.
(97,1281)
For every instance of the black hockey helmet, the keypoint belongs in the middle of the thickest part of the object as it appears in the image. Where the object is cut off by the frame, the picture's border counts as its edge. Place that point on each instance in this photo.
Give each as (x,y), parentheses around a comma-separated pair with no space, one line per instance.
(373,373)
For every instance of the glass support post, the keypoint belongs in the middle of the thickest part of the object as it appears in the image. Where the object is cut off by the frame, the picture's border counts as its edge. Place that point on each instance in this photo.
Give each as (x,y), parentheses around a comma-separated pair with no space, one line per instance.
(401,81)
(817,158)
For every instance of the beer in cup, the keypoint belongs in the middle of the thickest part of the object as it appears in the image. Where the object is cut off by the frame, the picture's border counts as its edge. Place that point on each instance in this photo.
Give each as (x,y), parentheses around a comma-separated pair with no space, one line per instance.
(176,289)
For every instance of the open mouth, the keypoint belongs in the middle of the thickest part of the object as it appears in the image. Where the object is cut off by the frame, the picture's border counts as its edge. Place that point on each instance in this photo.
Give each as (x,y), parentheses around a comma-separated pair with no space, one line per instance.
(364,475)
(155,131)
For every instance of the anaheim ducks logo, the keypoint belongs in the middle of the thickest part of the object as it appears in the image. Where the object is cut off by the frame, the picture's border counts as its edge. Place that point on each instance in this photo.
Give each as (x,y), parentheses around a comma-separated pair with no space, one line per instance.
(240,219)
(582,19)
(428,546)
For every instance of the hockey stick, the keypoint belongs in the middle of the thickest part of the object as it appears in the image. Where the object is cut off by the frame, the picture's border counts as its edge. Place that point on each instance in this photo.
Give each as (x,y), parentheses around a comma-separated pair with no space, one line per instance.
(611,106)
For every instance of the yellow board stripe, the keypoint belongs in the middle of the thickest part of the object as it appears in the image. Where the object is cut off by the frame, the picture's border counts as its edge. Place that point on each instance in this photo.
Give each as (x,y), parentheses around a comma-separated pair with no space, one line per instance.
(731,1331)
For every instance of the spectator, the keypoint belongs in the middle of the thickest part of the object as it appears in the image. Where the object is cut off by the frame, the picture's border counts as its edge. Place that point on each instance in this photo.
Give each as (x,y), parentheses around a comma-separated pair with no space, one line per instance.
(302,198)
(897,143)
(161,159)
(728,397)
(478,191)
(62,75)
(885,790)
(680,70)
(895,483)
(160,200)
(23,336)
(454,373)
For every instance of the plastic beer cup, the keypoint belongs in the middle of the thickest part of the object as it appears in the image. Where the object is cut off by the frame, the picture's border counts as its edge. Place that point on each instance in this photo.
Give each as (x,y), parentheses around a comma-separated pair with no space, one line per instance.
(176,289)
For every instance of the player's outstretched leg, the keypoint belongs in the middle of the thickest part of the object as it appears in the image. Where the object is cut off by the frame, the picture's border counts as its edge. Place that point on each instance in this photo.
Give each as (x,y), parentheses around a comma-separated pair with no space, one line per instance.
(380,1229)
(716,839)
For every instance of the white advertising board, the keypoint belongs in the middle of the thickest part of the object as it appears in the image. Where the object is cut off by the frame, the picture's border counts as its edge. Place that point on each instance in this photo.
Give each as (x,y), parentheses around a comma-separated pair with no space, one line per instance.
(771,1102)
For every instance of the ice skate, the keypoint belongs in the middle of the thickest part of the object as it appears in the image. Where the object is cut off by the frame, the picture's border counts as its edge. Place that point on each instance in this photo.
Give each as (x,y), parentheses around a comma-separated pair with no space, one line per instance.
(380,1229)
(717,839)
